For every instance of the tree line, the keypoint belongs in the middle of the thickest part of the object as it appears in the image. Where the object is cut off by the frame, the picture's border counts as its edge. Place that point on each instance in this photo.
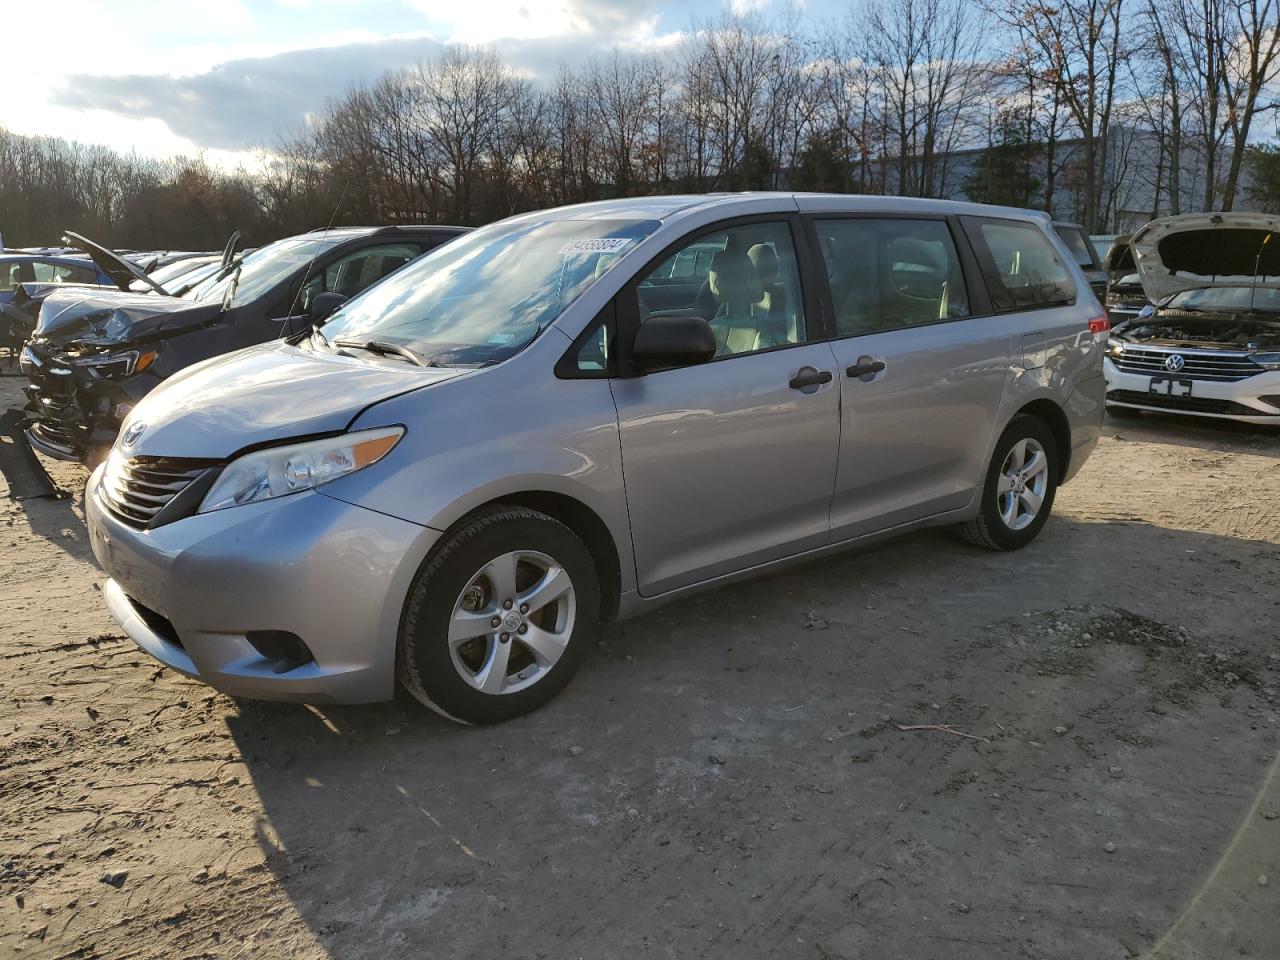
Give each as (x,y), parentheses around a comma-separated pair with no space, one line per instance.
(897,96)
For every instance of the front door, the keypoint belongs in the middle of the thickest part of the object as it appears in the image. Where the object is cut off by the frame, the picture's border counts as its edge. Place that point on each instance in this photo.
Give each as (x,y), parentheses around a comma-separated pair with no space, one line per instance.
(730,464)
(921,377)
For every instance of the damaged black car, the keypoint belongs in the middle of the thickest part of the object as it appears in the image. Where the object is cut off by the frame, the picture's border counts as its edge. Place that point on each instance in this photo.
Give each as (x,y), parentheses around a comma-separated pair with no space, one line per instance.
(95,352)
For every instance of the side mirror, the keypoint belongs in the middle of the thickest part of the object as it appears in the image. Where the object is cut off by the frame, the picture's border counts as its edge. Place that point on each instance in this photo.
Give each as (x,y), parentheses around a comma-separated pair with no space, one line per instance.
(323,305)
(673,342)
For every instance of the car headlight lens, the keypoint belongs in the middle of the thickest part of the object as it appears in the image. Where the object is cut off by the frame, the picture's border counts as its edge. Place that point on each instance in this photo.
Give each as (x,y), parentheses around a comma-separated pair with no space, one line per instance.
(1269,360)
(1115,347)
(280,471)
(109,366)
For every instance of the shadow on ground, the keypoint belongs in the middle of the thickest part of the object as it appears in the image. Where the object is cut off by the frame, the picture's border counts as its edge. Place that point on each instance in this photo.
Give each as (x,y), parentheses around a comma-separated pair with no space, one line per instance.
(726,777)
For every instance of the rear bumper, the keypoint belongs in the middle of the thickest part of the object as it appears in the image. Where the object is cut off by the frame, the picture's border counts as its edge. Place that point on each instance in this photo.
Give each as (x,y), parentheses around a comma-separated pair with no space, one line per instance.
(1239,400)
(190,593)
(1085,408)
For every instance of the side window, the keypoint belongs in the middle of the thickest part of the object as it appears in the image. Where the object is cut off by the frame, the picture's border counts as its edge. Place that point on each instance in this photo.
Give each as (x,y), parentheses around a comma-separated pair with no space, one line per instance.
(889,274)
(359,269)
(744,281)
(1078,244)
(1021,267)
(61,273)
(10,276)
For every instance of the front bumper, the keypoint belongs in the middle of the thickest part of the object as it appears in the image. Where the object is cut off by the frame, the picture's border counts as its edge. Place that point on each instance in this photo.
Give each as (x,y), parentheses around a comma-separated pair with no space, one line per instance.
(333,574)
(1223,399)
(73,415)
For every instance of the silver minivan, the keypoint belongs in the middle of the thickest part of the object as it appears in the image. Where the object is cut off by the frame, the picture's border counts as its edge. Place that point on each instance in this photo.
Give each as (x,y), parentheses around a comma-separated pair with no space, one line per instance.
(575,415)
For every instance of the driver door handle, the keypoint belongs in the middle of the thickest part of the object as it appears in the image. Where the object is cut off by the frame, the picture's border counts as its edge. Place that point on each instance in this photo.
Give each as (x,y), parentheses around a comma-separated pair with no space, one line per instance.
(809,377)
(865,369)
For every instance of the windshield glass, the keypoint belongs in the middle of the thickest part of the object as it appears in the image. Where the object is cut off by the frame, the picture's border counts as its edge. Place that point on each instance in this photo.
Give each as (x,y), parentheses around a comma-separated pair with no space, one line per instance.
(263,269)
(163,275)
(483,297)
(1228,299)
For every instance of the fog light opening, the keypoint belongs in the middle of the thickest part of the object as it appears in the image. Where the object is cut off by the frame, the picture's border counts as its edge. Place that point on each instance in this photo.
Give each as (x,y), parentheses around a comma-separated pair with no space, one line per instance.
(286,650)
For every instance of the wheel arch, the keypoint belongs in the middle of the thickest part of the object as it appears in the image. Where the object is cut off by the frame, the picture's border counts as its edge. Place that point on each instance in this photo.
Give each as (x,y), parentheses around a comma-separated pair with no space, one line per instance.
(578,517)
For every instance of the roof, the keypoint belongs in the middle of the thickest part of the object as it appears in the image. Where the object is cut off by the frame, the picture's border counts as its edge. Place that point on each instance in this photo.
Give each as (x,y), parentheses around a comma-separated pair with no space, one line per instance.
(668,207)
(47,257)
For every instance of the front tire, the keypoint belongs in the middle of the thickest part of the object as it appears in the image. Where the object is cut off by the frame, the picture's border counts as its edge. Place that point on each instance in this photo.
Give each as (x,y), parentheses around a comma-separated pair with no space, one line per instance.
(1018,493)
(499,617)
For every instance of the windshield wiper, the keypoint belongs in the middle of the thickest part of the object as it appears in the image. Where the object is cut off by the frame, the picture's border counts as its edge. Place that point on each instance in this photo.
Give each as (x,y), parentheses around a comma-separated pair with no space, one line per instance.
(386,348)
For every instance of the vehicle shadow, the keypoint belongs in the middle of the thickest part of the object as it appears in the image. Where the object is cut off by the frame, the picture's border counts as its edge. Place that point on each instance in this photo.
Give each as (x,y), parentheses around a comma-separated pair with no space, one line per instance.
(728,776)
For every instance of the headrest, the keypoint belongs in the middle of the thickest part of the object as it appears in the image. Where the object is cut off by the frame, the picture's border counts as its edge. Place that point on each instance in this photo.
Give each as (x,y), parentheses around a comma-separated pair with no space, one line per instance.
(733,279)
(765,261)
(924,252)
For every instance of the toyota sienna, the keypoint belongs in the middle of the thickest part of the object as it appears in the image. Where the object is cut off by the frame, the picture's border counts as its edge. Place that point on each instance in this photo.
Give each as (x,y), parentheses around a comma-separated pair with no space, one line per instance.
(574,415)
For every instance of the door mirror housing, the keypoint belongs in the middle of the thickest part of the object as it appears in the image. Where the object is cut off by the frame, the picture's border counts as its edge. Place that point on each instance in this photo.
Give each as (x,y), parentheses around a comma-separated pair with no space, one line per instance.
(663,342)
(323,306)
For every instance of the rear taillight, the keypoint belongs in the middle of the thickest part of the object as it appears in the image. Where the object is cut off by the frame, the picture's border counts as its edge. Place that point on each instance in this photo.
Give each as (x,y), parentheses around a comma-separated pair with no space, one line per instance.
(1099,325)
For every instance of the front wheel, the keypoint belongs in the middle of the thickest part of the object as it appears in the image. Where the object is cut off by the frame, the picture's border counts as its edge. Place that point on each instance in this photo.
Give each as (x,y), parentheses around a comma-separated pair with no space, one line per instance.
(1019,489)
(499,618)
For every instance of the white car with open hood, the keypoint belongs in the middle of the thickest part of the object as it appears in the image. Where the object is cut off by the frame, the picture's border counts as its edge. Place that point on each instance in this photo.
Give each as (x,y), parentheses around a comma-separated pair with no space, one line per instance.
(1210,344)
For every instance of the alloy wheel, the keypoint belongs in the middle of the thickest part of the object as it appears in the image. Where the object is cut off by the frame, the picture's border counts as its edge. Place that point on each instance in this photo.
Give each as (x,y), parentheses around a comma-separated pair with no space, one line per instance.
(1024,478)
(512,622)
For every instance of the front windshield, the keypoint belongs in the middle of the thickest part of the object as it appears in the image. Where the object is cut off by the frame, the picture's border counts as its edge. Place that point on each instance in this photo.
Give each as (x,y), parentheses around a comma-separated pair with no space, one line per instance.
(483,297)
(163,275)
(1227,299)
(263,269)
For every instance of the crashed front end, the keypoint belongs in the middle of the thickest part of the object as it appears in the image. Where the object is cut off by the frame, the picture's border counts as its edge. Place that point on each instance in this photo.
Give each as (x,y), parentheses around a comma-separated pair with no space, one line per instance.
(91,358)
(77,399)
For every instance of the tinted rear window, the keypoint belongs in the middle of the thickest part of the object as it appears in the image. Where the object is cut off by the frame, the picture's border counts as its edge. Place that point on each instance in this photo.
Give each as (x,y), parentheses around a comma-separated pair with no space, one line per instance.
(1021,267)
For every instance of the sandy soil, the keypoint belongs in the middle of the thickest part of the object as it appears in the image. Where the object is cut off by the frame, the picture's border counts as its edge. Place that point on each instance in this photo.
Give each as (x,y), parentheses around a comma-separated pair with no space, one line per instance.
(726,778)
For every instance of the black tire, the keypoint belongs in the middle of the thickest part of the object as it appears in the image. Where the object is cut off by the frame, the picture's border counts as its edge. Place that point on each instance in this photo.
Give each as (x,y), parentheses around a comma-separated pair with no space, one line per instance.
(1122,413)
(987,529)
(425,666)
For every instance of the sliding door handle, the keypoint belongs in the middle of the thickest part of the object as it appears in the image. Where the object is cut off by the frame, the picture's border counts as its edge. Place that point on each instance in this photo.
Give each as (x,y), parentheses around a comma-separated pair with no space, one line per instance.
(865,369)
(809,377)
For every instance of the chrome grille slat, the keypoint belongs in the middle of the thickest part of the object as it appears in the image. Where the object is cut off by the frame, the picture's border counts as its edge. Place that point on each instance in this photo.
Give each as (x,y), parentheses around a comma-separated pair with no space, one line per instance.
(1197,365)
(146,485)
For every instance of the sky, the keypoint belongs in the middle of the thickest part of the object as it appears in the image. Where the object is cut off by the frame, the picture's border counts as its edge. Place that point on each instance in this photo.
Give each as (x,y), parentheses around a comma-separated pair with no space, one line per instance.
(221,77)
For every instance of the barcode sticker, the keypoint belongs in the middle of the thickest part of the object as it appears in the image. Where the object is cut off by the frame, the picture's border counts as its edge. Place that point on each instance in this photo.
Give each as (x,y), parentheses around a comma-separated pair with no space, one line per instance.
(602,245)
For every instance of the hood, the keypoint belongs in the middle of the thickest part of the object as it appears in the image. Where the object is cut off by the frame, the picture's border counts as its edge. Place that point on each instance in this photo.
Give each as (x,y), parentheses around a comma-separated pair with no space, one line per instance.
(96,317)
(1198,250)
(121,271)
(267,393)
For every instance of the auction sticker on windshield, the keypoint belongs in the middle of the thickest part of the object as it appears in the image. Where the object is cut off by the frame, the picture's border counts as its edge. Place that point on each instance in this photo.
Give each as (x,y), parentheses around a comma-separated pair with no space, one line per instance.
(602,245)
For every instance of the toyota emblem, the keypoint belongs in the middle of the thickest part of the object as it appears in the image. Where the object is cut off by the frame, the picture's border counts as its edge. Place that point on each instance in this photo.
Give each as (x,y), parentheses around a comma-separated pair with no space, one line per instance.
(1175,362)
(135,430)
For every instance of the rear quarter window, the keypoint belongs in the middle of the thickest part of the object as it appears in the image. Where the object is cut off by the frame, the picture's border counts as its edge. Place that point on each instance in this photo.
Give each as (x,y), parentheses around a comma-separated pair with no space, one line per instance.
(1021,267)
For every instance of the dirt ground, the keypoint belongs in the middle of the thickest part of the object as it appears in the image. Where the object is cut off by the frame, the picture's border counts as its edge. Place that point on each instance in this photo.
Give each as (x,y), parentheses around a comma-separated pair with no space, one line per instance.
(725,778)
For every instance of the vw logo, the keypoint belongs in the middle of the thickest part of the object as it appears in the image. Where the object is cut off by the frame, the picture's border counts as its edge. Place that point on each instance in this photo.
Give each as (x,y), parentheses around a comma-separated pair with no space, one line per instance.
(135,430)
(1174,363)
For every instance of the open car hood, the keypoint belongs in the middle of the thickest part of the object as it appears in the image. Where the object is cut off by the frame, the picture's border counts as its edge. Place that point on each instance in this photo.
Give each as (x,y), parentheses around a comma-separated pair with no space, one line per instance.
(120,270)
(1197,250)
(99,317)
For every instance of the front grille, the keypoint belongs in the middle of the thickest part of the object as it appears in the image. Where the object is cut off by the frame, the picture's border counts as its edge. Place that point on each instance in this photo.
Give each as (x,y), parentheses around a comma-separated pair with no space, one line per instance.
(1203,365)
(138,488)
(1186,404)
(158,623)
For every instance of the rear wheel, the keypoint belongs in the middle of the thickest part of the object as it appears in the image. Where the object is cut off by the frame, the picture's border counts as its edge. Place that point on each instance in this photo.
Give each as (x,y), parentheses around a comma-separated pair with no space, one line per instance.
(500,617)
(1019,489)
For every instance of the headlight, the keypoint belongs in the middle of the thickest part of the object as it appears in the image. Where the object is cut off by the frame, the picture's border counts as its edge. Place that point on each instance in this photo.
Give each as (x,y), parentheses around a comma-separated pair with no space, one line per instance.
(1114,347)
(279,471)
(28,361)
(109,366)
(1269,360)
